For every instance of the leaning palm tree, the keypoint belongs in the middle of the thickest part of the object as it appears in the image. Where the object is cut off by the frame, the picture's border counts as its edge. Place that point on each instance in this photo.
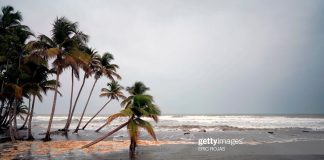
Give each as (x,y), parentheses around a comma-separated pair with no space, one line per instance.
(36,90)
(88,71)
(105,68)
(112,92)
(140,105)
(21,111)
(63,47)
(37,84)
(137,89)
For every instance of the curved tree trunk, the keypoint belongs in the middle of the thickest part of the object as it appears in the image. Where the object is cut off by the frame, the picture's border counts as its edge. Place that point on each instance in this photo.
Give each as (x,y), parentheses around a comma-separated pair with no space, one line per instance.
(48,132)
(30,136)
(15,120)
(27,117)
(102,127)
(5,119)
(85,107)
(2,116)
(68,123)
(11,132)
(97,113)
(71,98)
(106,135)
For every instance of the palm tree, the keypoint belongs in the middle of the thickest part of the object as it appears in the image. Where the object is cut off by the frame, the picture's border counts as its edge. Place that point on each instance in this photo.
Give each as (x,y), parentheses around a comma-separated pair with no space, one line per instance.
(28,113)
(75,73)
(35,91)
(63,46)
(105,68)
(37,83)
(113,91)
(88,71)
(138,105)
(21,111)
(12,40)
(137,89)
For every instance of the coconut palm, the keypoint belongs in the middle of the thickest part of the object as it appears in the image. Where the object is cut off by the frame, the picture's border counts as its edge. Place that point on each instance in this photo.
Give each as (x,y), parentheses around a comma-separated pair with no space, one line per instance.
(36,90)
(22,110)
(105,68)
(12,40)
(28,113)
(36,85)
(63,47)
(88,71)
(137,89)
(136,107)
(112,92)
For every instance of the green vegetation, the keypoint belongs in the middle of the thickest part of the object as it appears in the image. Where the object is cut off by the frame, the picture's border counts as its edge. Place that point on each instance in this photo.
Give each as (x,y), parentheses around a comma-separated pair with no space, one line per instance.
(27,63)
(136,106)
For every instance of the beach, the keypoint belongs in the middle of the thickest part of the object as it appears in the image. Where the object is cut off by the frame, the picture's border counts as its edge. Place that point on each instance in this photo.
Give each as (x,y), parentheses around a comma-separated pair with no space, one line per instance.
(180,139)
(162,80)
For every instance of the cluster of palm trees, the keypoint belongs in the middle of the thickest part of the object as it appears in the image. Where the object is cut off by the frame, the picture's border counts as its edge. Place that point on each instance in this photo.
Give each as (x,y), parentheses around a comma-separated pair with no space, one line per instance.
(25,76)
(135,107)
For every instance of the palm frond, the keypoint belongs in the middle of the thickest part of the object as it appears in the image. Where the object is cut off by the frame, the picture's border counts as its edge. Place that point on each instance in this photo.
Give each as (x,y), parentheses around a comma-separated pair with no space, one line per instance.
(132,130)
(114,116)
(52,52)
(124,102)
(104,94)
(17,90)
(147,126)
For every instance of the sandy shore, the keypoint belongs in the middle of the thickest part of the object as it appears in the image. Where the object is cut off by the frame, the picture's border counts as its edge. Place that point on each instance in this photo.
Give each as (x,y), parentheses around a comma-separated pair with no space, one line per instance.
(312,150)
(175,144)
(62,149)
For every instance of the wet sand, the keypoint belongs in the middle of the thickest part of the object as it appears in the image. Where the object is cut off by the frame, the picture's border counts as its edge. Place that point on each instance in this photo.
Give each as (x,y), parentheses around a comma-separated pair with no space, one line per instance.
(281,151)
(174,144)
(162,150)
(62,149)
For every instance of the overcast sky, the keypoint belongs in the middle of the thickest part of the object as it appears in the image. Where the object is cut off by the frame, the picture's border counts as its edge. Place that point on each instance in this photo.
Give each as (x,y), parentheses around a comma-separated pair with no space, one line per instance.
(200,57)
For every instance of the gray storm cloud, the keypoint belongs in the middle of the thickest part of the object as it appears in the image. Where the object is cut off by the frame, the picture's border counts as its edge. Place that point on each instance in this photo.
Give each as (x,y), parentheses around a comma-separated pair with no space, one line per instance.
(201,57)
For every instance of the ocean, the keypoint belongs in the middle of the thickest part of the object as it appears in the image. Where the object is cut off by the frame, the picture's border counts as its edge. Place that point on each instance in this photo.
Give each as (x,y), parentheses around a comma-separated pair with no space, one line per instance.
(207,122)
(260,135)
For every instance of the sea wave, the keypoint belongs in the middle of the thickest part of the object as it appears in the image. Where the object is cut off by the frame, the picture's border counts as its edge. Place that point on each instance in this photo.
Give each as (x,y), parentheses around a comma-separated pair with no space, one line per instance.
(217,122)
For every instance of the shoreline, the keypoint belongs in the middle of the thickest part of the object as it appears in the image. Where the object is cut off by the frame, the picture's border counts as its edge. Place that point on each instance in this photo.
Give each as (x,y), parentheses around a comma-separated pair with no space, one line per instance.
(57,148)
(64,149)
(174,144)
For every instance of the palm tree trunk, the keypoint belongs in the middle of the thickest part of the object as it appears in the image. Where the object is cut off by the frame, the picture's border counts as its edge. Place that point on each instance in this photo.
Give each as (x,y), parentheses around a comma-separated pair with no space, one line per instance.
(11,117)
(27,117)
(30,136)
(85,107)
(70,109)
(48,132)
(68,123)
(11,132)
(132,147)
(5,119)
(96,114)
(106,135)
(1,109)
(17,103)
(15,121)
(102,127)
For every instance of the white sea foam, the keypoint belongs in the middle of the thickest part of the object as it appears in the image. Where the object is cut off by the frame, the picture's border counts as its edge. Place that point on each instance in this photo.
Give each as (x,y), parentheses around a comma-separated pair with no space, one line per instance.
(245,121)
(211,122)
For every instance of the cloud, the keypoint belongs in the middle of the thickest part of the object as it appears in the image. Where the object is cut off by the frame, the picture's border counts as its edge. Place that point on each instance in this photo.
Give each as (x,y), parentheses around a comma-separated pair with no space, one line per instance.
(203,56)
